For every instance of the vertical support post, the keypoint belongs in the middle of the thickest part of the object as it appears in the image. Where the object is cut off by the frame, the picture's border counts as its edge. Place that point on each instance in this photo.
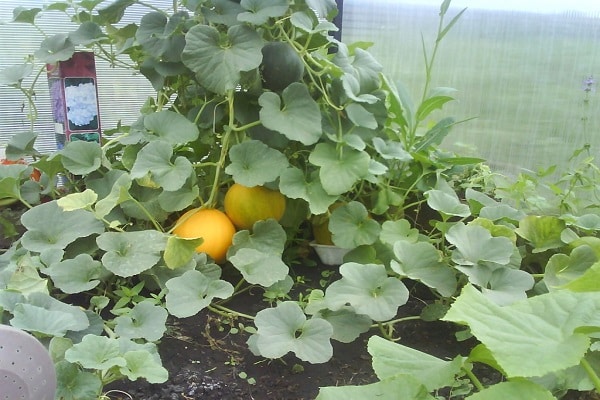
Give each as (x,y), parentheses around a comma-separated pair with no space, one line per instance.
(337,20)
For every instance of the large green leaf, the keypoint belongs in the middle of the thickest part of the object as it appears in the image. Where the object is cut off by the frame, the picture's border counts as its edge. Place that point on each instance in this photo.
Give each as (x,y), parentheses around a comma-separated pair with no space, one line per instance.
(323,8)
(257,255)
(310,24)
(118,185)
(368,289)
(588,282)
(445,200)
(515,389)
(142,364)
(475,244)
(81,158)
(340,169)
(222,12)
(88,32)
(352,89)
(130,253)
(360,116)
(347,325)
(392,359)
(259,268)
(543,232)
(78,201)
(295,185)
(96,352)
(562,269)
(180,199)
(76,275)
(285,328)
(486,207)
(351,226)
(25,15)
(15,74)
(218,60)
(391,150)
(392,231)
(115,11)
(74,384)
(48,316)
(259,11)
(55,48)
(160,37)
(21,145)
(155,159)
(362,73)
(422,262)
(10,298)
(507,285)
(532,337)
(398,387)
(171,127)
(253,163)
(193,291)
(10,187)
(145,203)
(50,227)
(179,251)
(24,277)
(586,221)
(299,118)
(145,320)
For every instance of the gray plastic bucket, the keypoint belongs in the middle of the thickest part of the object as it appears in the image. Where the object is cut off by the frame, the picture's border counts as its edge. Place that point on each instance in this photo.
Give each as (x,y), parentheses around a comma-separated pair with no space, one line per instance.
(26,369)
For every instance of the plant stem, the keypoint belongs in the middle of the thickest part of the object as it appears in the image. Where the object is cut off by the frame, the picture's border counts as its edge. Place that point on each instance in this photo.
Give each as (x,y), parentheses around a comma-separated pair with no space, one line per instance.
(29,93)
(591,374)
(476,382)
(212,199)
(227,312)
(148,214)
(247,126)
(395,321)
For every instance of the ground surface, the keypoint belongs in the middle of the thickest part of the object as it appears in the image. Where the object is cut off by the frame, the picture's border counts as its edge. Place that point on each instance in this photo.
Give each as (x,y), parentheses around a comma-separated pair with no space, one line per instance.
(206,359)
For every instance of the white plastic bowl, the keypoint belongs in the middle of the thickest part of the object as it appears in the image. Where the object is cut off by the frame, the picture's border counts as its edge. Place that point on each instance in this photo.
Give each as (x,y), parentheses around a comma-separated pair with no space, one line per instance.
(330,255)
(26,368)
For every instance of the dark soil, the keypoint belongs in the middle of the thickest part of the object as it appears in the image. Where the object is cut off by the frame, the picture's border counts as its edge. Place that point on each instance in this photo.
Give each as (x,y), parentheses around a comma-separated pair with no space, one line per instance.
(206,361)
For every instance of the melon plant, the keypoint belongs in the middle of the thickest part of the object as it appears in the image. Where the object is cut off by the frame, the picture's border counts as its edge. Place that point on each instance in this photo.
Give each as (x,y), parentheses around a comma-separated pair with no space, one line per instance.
(248,94)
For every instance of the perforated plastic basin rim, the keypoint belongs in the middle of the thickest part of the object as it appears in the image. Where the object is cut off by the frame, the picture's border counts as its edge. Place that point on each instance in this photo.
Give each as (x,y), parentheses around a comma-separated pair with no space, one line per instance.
(26,369)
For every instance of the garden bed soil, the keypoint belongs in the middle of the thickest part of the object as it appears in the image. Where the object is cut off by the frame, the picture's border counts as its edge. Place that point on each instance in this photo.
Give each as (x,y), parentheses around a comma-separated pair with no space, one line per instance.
(206,361)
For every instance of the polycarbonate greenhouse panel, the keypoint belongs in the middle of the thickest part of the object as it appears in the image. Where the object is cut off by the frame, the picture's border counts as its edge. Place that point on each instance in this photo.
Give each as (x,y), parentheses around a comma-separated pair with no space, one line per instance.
(121,92)
(525,73)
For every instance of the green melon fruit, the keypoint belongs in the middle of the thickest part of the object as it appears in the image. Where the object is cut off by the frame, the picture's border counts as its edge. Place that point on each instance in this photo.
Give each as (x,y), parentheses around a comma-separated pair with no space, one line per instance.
(281,66)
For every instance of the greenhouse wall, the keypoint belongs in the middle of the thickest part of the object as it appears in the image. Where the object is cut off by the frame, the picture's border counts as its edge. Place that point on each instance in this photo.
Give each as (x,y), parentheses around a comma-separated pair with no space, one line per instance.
(525,75)
(121,93)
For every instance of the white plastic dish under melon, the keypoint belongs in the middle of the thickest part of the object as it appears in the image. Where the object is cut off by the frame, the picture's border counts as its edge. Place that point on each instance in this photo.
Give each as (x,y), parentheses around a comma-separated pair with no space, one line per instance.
(26,369)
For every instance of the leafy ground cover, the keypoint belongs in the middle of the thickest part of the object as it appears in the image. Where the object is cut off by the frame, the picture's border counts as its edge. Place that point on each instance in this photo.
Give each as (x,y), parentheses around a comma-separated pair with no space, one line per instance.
(207,361)
(104,276)
(208,358)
